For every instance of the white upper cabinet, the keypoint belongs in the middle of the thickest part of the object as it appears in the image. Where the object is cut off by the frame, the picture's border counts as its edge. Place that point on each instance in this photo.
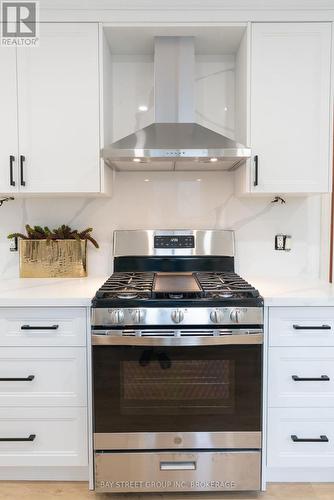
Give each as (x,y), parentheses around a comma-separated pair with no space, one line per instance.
(50,96)
(8,122)
(58,99)
(290,108)
(267,85)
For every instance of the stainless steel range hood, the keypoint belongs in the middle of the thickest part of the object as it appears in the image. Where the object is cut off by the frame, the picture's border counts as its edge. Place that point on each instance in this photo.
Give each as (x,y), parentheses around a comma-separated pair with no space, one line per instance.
(175,141)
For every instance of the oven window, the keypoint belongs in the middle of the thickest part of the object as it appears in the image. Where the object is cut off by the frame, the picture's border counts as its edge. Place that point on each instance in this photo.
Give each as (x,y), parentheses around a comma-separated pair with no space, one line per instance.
(168,389)
(157,384)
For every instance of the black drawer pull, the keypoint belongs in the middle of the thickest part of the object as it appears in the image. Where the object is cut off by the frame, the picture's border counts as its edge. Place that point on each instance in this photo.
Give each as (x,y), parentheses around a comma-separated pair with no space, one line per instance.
(11,170)
(256,172)
(29,327)
(27,379)
(321,327)
(321,439)
(30,438)
(323,378)
(22,160)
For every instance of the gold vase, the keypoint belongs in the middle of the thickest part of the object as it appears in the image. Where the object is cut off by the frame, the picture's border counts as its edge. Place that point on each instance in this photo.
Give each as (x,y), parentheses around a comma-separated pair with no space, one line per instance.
(53,259)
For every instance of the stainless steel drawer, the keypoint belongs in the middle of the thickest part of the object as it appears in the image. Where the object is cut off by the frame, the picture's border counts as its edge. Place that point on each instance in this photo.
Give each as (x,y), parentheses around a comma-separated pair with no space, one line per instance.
(166,471)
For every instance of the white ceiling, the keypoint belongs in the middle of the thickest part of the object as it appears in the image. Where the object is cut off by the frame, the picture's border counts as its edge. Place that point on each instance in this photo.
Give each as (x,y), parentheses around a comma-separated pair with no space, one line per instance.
(208,40)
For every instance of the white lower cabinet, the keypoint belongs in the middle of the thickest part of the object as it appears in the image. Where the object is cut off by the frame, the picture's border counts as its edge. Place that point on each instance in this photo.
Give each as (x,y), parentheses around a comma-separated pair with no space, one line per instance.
(299,437)
(300,426)
(301,326)
(43,393)
(42,326)
(301,377)
(43,437)
(42,376)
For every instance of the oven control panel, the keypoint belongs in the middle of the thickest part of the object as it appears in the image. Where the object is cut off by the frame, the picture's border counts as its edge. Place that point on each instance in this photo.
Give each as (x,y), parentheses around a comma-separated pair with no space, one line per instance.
(174,241)
(168,316)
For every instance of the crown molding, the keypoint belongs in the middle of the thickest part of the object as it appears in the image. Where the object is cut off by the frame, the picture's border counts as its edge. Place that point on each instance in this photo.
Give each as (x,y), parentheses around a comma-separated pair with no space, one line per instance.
(183,5)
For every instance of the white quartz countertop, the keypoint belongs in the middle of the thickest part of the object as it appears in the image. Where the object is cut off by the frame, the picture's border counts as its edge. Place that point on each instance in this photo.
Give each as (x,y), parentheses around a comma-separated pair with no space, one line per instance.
(293,291)
(48,292)
(79,292)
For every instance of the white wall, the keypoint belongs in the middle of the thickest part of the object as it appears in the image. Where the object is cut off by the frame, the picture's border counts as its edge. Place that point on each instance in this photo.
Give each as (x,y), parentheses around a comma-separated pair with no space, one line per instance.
(179,200)
(214,93)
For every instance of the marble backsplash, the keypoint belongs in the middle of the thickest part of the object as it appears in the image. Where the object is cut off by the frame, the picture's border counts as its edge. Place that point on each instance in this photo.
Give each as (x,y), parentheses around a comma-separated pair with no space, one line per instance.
(179,200)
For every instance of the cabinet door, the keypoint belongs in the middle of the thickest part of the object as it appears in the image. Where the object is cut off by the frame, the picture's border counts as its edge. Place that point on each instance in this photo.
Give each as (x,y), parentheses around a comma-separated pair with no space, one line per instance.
(43,376)
(8,122)
(301,377)
(300,437)
(55,437)
(42,326)
(290,107)
(301,326)
(58,89)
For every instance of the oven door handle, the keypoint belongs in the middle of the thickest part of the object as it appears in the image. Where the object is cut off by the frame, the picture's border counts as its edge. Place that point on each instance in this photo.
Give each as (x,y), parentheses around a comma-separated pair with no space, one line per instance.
(178,341)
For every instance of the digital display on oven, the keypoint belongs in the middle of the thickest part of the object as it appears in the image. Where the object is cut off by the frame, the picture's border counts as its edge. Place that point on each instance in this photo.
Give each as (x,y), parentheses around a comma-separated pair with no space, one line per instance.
(174,241)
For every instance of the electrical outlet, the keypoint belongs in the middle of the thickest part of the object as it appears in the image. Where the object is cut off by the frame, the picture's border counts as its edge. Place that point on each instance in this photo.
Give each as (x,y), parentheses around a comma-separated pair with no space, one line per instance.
(13,245)
(283,242)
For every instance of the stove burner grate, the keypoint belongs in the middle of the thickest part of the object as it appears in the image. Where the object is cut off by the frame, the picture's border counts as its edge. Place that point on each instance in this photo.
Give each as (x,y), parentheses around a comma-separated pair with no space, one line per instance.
(212,285)
(225,285)
(128,285)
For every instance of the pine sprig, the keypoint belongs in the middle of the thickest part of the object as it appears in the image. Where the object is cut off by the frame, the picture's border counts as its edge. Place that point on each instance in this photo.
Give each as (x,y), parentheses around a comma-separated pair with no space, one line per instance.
(17,235)
(63,232)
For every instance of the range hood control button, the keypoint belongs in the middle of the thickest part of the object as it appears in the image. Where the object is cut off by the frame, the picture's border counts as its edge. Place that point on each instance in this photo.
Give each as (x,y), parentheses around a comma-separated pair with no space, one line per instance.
(217,316)
(177,316)
(237,315)
(117,316)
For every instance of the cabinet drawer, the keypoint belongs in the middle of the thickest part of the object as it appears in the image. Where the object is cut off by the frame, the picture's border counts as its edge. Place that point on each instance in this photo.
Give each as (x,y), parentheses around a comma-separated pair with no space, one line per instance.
(49,377)
(301,376)
(53,437)
(302,423)
(301,326)
(42,326)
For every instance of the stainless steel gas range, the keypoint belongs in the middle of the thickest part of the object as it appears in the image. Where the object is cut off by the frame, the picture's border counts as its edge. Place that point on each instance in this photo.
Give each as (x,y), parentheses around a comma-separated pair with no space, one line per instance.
(177,361)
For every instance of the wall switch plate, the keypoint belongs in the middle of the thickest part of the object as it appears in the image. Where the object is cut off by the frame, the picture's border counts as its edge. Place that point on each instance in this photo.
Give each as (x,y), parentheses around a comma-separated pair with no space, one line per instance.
(283,242)
(13,245)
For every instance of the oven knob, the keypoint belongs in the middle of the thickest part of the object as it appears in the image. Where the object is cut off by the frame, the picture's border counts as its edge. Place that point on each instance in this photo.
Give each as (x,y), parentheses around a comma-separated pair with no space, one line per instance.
(236,315)
(177,316)
(138,315)
(117,316)
(217,316)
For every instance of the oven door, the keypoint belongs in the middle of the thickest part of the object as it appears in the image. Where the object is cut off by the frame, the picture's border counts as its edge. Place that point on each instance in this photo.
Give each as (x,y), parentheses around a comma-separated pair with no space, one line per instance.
(150,393)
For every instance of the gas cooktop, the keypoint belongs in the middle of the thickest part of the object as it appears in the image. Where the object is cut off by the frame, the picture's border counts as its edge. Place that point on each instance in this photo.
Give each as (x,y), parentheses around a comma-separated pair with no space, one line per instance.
(130,288)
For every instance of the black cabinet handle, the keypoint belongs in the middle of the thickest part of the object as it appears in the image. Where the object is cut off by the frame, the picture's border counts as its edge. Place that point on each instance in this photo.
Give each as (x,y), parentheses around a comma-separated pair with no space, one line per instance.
(22,160)
(26,379)
(320,327)
(323,378)
(321,439)
(11,170)
(29,327)
(30,438)
(256,171)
